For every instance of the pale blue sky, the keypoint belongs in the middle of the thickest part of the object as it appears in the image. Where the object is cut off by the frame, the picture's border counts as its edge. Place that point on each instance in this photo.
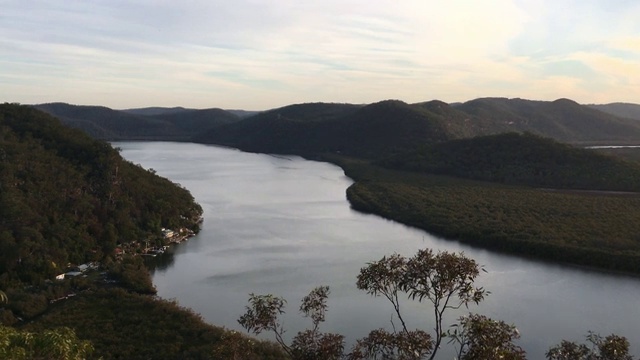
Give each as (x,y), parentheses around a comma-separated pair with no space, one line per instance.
(251,54)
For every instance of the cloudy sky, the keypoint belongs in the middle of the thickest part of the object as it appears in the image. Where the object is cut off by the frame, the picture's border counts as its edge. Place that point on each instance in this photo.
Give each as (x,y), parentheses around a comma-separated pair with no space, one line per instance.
(255,55)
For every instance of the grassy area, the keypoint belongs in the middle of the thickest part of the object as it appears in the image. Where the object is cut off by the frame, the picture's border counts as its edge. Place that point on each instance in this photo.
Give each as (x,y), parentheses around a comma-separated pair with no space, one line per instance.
(598,229)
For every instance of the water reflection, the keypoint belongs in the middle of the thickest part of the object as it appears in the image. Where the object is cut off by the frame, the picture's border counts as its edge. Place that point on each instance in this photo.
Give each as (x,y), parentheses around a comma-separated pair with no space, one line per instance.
(161,262)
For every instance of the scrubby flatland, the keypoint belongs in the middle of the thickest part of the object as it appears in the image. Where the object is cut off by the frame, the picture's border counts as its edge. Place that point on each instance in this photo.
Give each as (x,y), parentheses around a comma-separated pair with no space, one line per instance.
(521,159)
(579,227)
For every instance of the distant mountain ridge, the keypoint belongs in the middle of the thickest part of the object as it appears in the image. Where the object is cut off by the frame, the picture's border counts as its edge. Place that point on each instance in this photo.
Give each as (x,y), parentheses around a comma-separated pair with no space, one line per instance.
(392,126)
(360,130)
(562,119)
(366,131)
(171,124)
(156,110)
(624,110)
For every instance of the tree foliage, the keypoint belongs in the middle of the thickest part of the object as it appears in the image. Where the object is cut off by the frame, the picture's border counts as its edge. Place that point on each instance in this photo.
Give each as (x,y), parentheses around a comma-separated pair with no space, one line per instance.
(262,315)
(68,199)
(132,274)
(57,344)
(444,280)
(480,337)
(612,347)
(522,159)
(597,229)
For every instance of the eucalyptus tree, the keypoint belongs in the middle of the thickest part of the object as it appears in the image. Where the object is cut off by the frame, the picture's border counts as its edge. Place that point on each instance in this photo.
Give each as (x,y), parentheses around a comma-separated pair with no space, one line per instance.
(444,280)
(612,347)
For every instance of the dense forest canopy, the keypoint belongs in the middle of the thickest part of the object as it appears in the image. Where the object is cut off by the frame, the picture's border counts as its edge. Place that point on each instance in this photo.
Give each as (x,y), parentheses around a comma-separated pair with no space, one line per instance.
(67,198)
(523,159)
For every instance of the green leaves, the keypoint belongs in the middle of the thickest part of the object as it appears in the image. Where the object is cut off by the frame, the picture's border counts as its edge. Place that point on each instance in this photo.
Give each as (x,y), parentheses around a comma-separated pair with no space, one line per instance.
(612,347)
(480,337)
(262,313)
(315,306)
(438,277)
(58,344)
(382,344)
(444,280)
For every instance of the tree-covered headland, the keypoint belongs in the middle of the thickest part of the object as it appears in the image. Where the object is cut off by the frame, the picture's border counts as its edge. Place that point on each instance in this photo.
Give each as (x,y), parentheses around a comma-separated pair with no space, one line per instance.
(68,199)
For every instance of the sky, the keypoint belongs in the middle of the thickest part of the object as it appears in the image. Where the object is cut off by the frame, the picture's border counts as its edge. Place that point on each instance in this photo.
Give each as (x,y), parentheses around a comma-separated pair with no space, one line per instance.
(257,55)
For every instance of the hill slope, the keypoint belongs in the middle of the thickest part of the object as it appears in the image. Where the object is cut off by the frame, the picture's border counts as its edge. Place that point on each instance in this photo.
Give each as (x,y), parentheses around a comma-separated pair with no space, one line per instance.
(155,110)
(67,198)
(369,131)
(175,124)
(523,159)
(623,110)
(191,122)
(391,127)
(355,129)
(563,120)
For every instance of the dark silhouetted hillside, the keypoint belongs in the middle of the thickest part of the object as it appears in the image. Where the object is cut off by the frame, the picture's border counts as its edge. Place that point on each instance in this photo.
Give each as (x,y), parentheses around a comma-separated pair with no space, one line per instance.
(172,124)
(522,159)
(107,124)
(563,120)
(368,131)
(156,110)
(457,123)
(192,122)
(623,110)
(296,128)
(68,198)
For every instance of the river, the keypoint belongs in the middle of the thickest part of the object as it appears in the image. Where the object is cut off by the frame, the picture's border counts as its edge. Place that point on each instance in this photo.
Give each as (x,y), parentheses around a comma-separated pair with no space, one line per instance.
(282,225)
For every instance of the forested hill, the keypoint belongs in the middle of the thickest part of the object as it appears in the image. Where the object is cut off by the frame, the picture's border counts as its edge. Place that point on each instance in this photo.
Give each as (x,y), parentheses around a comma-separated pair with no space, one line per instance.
(67,198)
(367,131)
(356,129)
(393,126)
(562,119)
(175,124)
(623,110)
(523,159)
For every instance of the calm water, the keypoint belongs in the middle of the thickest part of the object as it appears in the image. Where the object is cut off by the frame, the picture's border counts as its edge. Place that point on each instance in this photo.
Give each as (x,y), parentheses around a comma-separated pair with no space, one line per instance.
(282,225)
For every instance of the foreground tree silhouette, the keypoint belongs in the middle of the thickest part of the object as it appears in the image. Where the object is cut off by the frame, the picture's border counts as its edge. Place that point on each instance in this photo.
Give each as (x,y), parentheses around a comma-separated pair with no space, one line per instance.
(612,347)
(262,314)
(480,337)
(445,280)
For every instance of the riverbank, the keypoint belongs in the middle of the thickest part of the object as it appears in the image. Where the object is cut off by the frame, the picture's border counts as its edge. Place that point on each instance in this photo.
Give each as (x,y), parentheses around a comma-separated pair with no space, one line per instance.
(584,229)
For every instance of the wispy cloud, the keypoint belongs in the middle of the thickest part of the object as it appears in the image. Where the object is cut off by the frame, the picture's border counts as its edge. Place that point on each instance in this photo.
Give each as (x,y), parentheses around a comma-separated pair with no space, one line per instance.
(259,54)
